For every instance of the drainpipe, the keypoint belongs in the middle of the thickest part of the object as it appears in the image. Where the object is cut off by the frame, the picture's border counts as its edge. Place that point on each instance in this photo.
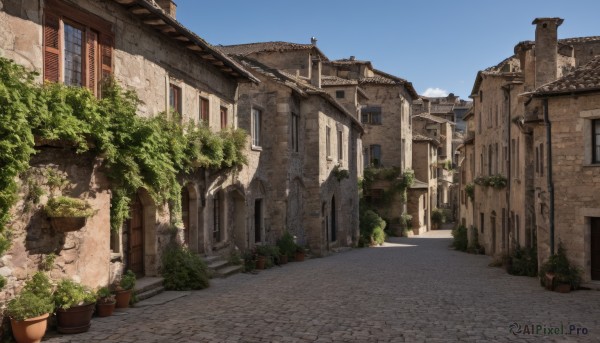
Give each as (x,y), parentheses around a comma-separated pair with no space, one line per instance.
(549,171)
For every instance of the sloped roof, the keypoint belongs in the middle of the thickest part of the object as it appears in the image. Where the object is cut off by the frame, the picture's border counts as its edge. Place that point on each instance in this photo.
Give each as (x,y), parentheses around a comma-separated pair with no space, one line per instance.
(417,137)
(432,118)
(154,16)
(299,85)
(418,184)
(278,46)
(442,108)
(583,79)
(327,80)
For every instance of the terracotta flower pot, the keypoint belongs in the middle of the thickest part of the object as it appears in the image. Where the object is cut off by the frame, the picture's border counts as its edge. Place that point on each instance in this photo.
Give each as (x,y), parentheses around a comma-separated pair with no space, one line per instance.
(105,309)
(122,298)
(299,256)
(260,262)
(76,319)
(563,288)
(30,330)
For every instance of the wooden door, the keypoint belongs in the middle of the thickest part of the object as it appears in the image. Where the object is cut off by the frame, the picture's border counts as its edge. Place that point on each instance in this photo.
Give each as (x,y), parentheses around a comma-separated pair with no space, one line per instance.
(136,237)
(595,248)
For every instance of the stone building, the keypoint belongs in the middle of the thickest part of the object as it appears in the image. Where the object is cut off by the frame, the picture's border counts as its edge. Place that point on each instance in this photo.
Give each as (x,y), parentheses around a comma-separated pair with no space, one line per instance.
(302,139)
(466,170)
(169,67)
(423,197)
(511,145)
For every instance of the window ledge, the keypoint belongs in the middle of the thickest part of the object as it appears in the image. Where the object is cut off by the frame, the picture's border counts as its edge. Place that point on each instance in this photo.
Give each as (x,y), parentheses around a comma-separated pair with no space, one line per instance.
(592,165)
(116,257)
(256,148)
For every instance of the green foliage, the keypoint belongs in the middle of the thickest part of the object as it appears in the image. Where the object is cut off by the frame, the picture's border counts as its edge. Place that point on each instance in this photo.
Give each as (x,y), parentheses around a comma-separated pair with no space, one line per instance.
(286,244)
(48,262)
(35,192)
(18,98)
(497,181)
(461,240)
(470,190)
(68,207)
(474,247)
(371,229)
(235,258)
(2,281)
(400,183)
(268,250)
(127,280)
(103,292)
(340,173)
(523,262)
(183,270)
(563,271)
(249,262)
(29,305)
(69,293)
(447,165)
(437,216)
(39,284)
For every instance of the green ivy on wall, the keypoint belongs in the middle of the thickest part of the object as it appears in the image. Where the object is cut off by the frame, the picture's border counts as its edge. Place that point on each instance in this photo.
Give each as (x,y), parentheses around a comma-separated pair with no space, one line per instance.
(137,152)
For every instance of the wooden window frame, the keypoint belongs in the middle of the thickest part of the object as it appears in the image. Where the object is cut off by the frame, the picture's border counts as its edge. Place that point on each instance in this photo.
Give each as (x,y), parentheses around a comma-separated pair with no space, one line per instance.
(97,44)
(595,142)
(176,90)
(256,127)
(204,110)
(224,118)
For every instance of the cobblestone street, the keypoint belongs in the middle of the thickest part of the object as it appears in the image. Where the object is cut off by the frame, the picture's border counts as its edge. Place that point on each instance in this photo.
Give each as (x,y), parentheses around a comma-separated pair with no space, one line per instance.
(410,290)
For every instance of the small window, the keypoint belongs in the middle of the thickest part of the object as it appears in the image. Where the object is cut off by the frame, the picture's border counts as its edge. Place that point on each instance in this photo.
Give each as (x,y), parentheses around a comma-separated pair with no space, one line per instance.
(375,155)
(175,98)
(371,115)
(223,117)
(204,114)
(294,132)
(73,55)
(340,146)
(256,123)
(328,141)
(340,94)
(596,140)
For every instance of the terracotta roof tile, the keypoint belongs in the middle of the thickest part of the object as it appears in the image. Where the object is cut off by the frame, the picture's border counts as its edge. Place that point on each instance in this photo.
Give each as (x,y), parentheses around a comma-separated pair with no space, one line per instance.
(251,48)
(336,81)
(583,79)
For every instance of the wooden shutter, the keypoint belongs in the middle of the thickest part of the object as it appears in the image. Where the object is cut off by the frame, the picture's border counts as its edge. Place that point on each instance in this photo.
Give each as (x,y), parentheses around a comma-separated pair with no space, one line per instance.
(51,47)
(92,60)
(106,54)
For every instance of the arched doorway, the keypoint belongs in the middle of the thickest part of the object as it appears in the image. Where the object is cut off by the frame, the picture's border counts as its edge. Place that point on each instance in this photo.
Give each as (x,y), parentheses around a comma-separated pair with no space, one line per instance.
(135,260)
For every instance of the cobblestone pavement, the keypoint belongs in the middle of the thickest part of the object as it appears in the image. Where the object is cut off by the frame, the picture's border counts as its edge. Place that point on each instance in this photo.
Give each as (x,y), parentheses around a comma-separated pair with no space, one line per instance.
(409,290)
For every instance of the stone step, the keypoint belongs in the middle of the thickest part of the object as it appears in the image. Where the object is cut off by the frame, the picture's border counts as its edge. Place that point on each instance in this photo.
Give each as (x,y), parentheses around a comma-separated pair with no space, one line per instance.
(210,259)
(147,283)
(217,264)
(228,271)
(149,293)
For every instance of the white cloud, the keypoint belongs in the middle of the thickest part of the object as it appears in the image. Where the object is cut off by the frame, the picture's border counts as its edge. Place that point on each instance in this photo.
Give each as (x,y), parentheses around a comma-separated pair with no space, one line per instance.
(435,92)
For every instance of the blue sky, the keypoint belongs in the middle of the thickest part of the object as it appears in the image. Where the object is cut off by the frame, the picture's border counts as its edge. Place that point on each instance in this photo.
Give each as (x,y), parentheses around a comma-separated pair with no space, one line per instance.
(433,44)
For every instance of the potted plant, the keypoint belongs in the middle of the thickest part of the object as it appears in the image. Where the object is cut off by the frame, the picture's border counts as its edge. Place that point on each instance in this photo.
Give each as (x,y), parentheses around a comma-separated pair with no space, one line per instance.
(68,214)
(261,256)
(75,305)
(124,288)
(287,247)
(558,274)
(105,303)
(300,254)
(29,311)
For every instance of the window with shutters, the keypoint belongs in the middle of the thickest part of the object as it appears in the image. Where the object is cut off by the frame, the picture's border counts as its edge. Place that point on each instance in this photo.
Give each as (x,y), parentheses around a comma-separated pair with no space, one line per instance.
(78,46)
(223,117)
(204,110)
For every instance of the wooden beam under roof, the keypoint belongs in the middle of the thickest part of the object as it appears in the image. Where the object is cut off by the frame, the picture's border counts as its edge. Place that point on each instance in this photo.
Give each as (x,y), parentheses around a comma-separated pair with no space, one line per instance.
(154,22)
(139,10)
(126,2)
(194,47)
(167,29)
(218,63)
(208,57)
(182,38)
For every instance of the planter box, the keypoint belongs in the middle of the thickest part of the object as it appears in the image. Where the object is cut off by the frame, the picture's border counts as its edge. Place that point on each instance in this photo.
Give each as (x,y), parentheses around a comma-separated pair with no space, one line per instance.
(67,224)
(76,319)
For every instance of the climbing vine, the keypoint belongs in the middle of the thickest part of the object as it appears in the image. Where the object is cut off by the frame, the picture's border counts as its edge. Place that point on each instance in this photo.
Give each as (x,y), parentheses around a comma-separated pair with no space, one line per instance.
(137,152)
(399,182)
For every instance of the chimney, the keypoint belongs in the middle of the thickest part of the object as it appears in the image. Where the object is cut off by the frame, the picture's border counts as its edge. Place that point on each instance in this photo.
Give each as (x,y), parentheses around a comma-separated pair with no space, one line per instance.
(315,77)
(352,58)
(313,40)
(168,6)
(546,49)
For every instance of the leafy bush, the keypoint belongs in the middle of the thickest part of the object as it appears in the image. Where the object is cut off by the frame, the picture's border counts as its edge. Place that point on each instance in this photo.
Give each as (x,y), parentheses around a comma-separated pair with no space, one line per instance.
(183,270)
(497,181)
(371,229)
(523,262)
(249,262)
(105,296)
(461,241)
(29,305)
(68,207)
(437,217)
(69,293)
(127,280)
(563,271)
(39,284)
(470,190)
(286,244)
